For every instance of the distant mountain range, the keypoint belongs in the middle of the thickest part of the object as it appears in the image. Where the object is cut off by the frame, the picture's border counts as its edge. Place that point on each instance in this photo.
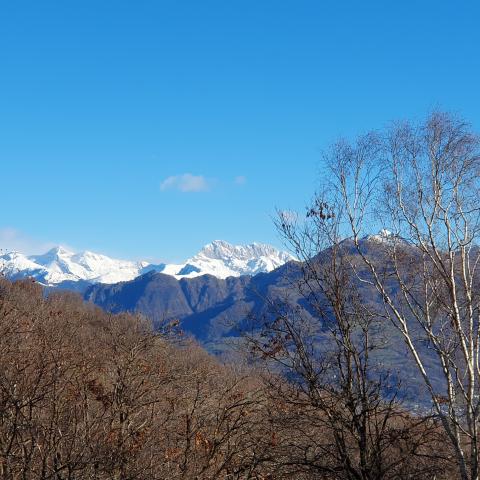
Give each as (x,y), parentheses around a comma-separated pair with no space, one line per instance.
(213,307)
(61,267)
(214,295)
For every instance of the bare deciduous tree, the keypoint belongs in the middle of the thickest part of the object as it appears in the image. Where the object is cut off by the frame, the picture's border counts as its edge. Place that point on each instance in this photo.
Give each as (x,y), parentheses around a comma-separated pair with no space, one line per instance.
(421,181)
(339,404)
(86,394)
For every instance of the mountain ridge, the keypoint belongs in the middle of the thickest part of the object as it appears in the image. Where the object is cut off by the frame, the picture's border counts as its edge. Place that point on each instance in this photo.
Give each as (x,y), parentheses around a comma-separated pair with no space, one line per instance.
(219,258)
(216,312)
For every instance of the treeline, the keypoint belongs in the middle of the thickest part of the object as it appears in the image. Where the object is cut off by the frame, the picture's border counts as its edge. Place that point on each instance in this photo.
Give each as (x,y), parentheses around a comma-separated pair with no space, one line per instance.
(89,395)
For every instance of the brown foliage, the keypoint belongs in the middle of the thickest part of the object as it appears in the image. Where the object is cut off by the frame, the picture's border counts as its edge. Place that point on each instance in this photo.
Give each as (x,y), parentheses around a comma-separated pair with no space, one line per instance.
(89,395)
(85,394)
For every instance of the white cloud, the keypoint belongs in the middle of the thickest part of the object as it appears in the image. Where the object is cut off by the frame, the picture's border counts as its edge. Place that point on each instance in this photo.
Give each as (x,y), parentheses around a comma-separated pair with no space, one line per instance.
(186,183)
(13,239)
(240,180)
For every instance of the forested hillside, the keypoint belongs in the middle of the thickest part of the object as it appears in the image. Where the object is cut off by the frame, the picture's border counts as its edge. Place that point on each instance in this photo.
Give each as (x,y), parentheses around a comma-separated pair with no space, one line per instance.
(86,394)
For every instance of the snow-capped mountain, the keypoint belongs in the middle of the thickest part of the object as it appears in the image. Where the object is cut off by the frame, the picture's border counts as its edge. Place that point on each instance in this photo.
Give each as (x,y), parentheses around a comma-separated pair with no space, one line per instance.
(222,260)
(386,237)
(61,265)
(382,236)
(218,258)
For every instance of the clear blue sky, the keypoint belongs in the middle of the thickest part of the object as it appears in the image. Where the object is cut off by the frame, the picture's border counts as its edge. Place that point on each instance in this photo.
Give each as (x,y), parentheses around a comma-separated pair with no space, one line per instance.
(105,106)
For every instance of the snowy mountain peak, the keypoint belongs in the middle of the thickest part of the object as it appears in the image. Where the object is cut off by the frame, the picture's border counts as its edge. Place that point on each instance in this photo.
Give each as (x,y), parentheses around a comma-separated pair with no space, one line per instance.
(223,259)
(219,249)
(380,236)
(218,258)
(385,236)
(54,254)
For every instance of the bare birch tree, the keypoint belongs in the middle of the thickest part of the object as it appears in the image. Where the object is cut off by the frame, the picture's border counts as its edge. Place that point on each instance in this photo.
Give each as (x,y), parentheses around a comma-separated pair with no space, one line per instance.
(421,181)
(337,403)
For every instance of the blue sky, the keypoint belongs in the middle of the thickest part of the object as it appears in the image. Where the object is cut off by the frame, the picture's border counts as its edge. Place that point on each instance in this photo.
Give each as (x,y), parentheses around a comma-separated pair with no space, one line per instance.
(145,129)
